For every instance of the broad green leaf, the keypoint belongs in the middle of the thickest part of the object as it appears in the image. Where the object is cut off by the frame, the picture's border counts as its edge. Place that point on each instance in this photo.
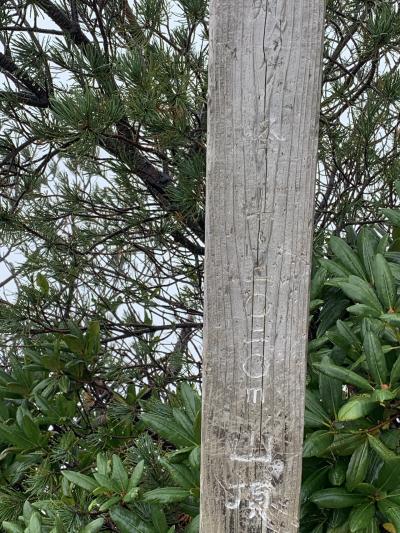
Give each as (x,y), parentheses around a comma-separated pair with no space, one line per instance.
(345,443)
(102,464)
(392,318)
(346,256)
(166,495)
(383,451)
(373,527)
(168,429)
(330,390)
(316,480)
(366,245)
(361,517)
(358,466)
(314,409)
(11,527)
(75,344)
(393,215)
(194,525)
(357,407)
(119,474)
(136,475)
(337,474)
(92,338)
(330,312)
(182,475)
(344,375)
(375,357)
(317,283)
(109,503)
(391,511)
(384,282)
(93,526)
(158,519)
(32,431)
(192,405)
(389,475)
(42,283)
(128,522)
(35,525)
(336,498)
(81,480)
(194,457)
(317,443)
(363,310)
(395,372)
(360,291)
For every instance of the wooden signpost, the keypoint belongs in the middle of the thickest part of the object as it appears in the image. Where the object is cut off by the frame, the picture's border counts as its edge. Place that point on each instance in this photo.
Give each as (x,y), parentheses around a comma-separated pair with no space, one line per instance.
(264,94)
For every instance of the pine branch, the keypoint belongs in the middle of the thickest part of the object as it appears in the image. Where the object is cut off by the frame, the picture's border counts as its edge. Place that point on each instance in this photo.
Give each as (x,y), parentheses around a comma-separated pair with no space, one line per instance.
(69,27)
(155,180)
(37,95)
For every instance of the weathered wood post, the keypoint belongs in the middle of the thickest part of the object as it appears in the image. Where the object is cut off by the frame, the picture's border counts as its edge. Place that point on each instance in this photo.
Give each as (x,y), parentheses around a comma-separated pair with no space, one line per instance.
(264,93)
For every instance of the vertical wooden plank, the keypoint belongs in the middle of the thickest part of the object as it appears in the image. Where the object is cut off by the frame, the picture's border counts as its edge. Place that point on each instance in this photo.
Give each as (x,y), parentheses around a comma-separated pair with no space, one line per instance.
(264,93)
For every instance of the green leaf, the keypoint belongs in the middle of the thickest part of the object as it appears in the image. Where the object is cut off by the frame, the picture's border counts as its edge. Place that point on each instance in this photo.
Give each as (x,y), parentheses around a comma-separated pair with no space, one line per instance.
(314,412)
(119,474)
(383,451)
(181,475)
(357,407)
(366,245)
(93,526)
(346,256)
(128,522)
(317,443)
(336,498)
(190,401)
(363,310)
(395,372)
(168,429)
(391,511)
(92,339)
(136,475)
(375,357)
(159,520)
(32,431)
(11,527)
(345,443)
(102,464)
(344,375)
(166,495)
(109,503)
(392,318)
(337,474)
(316,480)
(360,291)
(75,344)
(384,282)
(194,525)
(361,516)
(42,283)
(35,525)
(330,390)
(389,475)
(393,215)
(358,466)
(85,482)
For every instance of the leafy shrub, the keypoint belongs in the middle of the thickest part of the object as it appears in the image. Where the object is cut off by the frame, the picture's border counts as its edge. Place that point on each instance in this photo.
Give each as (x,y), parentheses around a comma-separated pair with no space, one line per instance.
(78,454)
(70,464)
(351,468)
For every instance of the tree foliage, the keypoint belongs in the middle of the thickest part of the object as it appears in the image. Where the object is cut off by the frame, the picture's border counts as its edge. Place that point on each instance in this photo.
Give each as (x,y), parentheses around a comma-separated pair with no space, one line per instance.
(103,117)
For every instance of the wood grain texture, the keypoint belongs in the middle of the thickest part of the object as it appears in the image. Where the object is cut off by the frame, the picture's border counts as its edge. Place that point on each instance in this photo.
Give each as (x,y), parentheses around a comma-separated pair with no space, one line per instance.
(264,94)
